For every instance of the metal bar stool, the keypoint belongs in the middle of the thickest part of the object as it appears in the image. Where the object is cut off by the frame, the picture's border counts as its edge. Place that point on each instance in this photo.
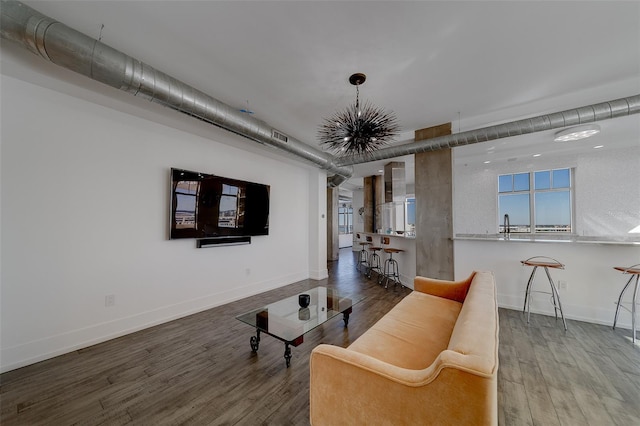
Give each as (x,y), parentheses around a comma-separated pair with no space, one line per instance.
(391,270)
(634,271)
(363,255)
(546,263)
(374,258)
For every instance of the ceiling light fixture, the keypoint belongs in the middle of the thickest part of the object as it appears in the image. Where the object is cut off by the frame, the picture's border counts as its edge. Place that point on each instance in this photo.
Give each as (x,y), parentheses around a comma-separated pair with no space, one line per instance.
(358,130)
(577,133)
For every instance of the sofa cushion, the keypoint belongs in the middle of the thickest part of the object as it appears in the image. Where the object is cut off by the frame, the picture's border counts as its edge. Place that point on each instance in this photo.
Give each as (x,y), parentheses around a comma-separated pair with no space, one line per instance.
(475,334)
(413,333)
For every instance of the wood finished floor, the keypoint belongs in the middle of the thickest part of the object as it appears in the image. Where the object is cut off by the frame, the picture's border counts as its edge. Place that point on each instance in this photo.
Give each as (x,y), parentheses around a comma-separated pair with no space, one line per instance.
(200,370)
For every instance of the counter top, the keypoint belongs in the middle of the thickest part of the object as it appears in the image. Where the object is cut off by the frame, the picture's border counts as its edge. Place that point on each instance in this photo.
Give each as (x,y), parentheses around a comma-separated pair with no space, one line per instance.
(394,235)
(555,238)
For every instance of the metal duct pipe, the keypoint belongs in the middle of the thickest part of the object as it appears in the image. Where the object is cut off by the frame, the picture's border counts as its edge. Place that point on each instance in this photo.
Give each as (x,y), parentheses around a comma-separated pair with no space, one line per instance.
(82,54)
(586,114)
(77,52)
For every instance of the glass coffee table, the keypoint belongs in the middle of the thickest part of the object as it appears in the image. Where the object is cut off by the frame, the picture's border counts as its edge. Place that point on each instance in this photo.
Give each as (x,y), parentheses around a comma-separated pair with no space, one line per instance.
(288,319)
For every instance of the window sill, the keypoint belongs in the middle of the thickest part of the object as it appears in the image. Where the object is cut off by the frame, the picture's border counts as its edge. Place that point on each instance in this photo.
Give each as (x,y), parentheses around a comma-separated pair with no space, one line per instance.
(554,238)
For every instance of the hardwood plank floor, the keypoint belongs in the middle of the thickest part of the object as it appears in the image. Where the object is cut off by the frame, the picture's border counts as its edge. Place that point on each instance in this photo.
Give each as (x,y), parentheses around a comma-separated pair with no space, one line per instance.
(200,370)
(589,374)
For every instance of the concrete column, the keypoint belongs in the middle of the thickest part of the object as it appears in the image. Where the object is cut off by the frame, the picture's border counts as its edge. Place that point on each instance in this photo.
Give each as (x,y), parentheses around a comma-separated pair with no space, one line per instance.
(434,208)
(369,202)
(379,201)
(373,199)
(333,239)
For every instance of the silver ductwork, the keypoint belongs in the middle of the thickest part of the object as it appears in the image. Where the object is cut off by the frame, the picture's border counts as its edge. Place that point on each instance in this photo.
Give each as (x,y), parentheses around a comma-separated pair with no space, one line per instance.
(572,117)
(77,52)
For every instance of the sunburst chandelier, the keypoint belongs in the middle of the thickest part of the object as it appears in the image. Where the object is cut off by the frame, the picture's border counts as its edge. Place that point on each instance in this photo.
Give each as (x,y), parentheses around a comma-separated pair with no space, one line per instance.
(358,130)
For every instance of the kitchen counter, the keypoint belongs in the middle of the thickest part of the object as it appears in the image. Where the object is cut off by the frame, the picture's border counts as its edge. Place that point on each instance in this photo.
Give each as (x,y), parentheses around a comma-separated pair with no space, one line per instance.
(406,260)
(547,238)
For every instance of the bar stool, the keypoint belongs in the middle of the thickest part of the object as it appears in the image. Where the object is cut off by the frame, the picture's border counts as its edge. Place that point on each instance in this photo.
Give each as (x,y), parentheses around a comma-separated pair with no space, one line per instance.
(391,269)
(374,259)
(634,271)
(363,255)
(383,242)
(546,263)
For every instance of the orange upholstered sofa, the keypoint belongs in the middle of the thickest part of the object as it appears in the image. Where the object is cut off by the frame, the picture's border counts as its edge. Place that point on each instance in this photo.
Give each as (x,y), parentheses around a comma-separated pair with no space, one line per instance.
(431,360)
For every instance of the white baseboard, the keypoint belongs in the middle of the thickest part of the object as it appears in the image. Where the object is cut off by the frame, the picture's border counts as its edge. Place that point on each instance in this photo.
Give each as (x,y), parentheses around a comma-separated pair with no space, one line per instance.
(319,274)
(571,311)
(52,346)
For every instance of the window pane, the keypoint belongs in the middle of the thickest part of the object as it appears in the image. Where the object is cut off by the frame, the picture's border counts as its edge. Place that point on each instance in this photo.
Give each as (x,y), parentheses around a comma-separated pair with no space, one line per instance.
(411,211)
(521,182)
(186,199)
(230,189)
(186,203)
(561,178)
(345,219)
(543,180)
(228,213)
(185,211)
(553,211)
(505,183)
(517,207)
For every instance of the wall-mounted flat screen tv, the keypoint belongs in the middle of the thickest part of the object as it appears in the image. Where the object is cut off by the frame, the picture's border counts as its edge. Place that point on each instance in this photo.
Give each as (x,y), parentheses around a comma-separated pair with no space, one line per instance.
(204,206)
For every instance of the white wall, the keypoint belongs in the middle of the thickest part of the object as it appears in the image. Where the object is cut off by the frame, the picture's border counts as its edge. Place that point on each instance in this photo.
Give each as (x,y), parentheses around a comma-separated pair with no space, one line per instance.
(592,284)
(606,189)
(345,240)
(84,195)
(317,225)
(608,193)
(607,205)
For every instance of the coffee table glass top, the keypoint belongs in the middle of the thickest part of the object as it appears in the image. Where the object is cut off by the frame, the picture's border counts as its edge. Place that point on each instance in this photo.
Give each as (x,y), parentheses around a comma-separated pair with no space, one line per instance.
(286,320)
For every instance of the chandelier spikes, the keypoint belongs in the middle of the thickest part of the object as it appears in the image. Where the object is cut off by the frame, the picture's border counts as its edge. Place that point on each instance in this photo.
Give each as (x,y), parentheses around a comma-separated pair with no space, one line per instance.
(358,130)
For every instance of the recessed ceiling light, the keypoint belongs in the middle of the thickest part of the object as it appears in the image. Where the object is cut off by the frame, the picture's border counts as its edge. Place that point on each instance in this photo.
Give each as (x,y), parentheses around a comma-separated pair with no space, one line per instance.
(577,133)
(537,155)
(381,171)
(598,146)
(487,162)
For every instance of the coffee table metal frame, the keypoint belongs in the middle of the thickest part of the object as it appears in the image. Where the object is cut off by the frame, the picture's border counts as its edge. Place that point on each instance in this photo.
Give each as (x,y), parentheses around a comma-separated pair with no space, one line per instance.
(286,321)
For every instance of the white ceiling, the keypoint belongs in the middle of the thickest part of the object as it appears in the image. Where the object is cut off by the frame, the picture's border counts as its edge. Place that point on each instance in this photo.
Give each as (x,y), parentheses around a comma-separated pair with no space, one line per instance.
(471,63)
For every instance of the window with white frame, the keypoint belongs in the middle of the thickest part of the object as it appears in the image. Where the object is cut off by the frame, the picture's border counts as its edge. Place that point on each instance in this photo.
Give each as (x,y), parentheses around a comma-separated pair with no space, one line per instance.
(410,216)
(345,219)
(536,201)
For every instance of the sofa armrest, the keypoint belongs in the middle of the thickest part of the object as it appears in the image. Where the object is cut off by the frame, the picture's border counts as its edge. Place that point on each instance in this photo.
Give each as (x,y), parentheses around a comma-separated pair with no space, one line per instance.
(348,387)
(453,290)
(322,353)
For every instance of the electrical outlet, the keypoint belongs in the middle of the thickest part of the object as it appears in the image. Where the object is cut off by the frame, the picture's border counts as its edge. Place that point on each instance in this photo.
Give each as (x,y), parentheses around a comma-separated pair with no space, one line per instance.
(562,285)
(110,300)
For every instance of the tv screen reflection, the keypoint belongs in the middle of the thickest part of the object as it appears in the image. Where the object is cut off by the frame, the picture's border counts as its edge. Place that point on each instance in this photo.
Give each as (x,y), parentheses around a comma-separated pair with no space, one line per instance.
(204,205)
